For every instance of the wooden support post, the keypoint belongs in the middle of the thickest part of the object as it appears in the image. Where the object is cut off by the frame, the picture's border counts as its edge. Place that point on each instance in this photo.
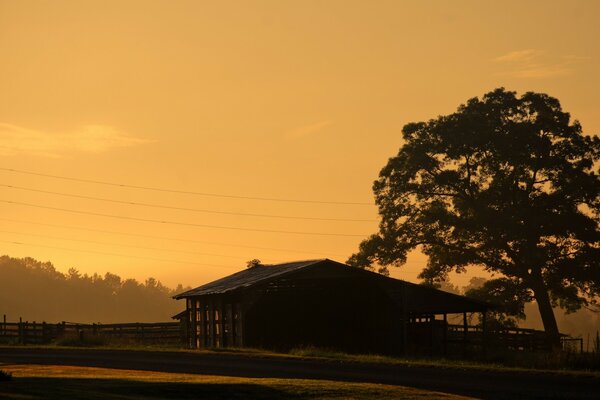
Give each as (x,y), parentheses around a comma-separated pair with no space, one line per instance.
(211,323)
(221,324)
(206,329)
(432,333)
(405,317)
(190,323)
(465,331)
(20,330)
(445,335)
(240,324)
(229,341)
(216,324)
(484,334)
(234,340)
(200,327)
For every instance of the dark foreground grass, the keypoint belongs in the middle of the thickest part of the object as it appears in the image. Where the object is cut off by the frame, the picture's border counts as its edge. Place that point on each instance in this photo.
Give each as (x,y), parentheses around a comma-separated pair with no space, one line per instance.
(65,382)
(565,363)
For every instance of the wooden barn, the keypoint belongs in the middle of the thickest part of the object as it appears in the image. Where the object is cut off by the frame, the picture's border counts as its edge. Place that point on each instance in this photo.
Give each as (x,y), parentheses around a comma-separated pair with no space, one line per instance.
(320,303)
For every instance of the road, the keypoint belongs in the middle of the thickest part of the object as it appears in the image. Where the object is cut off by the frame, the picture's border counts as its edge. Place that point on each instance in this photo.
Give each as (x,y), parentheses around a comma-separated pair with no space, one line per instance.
(494,385)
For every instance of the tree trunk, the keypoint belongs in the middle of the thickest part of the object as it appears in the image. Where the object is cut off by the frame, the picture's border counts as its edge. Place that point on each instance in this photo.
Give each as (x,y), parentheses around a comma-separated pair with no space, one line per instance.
(547,313)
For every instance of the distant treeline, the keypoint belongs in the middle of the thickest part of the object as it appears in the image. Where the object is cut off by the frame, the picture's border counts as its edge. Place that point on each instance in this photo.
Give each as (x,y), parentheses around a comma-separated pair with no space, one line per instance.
(36,291)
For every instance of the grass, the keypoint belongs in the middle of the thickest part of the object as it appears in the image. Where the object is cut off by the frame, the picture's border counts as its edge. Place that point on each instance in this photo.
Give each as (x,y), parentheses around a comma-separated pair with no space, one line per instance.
(564,363)
(66,382)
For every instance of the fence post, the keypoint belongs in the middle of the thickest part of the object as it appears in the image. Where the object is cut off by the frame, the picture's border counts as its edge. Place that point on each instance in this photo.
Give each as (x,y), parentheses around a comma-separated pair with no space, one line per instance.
(484,334)
(465,330)
(20,330)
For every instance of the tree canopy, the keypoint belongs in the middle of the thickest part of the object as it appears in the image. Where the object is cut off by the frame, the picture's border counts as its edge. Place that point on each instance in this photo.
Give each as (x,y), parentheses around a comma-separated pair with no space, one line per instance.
(35,290)
(507,183)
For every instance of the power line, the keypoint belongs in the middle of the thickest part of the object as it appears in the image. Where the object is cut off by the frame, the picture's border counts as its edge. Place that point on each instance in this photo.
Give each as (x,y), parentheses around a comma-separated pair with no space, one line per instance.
(117,244)
(183,208)
(147,248)
(125,255)
(207,194)
(321,254)
(169,238)
(235,228)
(122,255)
(116,254)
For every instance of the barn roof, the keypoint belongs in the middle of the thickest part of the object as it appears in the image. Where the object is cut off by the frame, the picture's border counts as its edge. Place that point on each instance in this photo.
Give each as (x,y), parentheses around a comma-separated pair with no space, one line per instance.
(247,277)
(419,298)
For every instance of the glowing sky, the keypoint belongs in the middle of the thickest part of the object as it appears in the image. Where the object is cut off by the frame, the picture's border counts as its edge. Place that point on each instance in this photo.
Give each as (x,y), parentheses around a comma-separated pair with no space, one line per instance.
(299,100)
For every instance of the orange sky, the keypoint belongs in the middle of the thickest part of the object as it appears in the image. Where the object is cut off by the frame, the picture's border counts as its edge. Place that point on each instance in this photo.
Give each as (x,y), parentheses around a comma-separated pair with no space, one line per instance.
(273,99)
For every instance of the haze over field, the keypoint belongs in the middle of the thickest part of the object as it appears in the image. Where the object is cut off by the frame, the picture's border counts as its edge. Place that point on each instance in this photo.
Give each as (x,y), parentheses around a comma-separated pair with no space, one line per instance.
(266,121)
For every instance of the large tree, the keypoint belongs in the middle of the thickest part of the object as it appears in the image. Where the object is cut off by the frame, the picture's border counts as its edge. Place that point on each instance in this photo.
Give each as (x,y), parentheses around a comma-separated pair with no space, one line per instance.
(507,183)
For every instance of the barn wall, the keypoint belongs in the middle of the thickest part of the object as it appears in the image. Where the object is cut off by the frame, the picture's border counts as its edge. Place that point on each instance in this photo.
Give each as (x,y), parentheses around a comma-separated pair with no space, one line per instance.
(346,315)
(215,321)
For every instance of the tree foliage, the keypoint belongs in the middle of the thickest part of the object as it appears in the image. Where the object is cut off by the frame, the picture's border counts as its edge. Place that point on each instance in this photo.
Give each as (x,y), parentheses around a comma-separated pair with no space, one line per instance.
(35,290)
(507,183)
(255,262)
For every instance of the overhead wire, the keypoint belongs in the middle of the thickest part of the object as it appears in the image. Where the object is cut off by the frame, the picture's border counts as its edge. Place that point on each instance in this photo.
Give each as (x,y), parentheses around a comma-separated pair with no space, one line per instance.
(167,222)
(166,190)
(141,247)
(182,208)
(131,256)
(236,228)
(168,238)
(119,244)
(117,255)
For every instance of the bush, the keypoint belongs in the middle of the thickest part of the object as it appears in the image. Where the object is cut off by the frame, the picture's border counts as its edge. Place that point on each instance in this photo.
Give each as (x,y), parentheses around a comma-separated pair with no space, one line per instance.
(81,339)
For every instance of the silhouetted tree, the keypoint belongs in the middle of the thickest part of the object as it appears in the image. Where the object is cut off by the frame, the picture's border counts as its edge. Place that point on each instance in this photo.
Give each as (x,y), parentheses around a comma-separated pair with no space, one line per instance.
(37,291)
(253,263)
(444,285)
(506,183)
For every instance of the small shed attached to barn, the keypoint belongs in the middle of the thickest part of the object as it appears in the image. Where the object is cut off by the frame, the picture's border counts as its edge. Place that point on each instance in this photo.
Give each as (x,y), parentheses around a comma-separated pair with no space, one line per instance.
(319,303)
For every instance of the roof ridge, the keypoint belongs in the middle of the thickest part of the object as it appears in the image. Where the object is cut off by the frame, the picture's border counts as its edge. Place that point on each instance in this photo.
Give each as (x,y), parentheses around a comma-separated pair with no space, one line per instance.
(312,260)
(250,276)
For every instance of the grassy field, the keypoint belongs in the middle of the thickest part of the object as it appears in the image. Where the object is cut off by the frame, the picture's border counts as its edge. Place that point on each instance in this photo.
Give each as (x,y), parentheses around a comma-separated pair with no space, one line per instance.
(65,382)
(530,363)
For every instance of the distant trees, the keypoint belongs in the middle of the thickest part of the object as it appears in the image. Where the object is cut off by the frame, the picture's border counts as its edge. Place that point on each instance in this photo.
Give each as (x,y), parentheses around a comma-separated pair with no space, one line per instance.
(37,291)
(507,183)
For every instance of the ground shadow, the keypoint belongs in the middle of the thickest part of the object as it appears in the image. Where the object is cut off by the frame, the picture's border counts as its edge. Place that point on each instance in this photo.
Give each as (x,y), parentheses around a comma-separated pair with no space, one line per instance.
(77,388)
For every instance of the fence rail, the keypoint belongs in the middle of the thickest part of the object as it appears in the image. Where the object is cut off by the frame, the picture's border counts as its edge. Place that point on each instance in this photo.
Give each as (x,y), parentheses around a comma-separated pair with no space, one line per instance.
(26,332)
(512,338)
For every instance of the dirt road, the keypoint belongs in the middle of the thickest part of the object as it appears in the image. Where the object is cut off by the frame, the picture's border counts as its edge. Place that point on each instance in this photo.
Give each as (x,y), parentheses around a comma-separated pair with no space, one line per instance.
(467,382)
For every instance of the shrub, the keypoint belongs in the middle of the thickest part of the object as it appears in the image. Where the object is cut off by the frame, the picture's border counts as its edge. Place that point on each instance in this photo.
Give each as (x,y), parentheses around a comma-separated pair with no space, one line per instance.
(83,339)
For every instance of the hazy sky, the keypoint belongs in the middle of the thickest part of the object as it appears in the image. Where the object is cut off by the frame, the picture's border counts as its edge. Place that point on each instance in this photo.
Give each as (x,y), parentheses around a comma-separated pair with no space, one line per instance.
(301,100)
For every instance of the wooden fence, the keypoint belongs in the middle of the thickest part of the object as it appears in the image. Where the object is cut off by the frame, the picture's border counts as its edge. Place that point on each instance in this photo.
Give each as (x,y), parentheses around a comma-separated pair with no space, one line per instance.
(25,332)
(173,333)
(510,338)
